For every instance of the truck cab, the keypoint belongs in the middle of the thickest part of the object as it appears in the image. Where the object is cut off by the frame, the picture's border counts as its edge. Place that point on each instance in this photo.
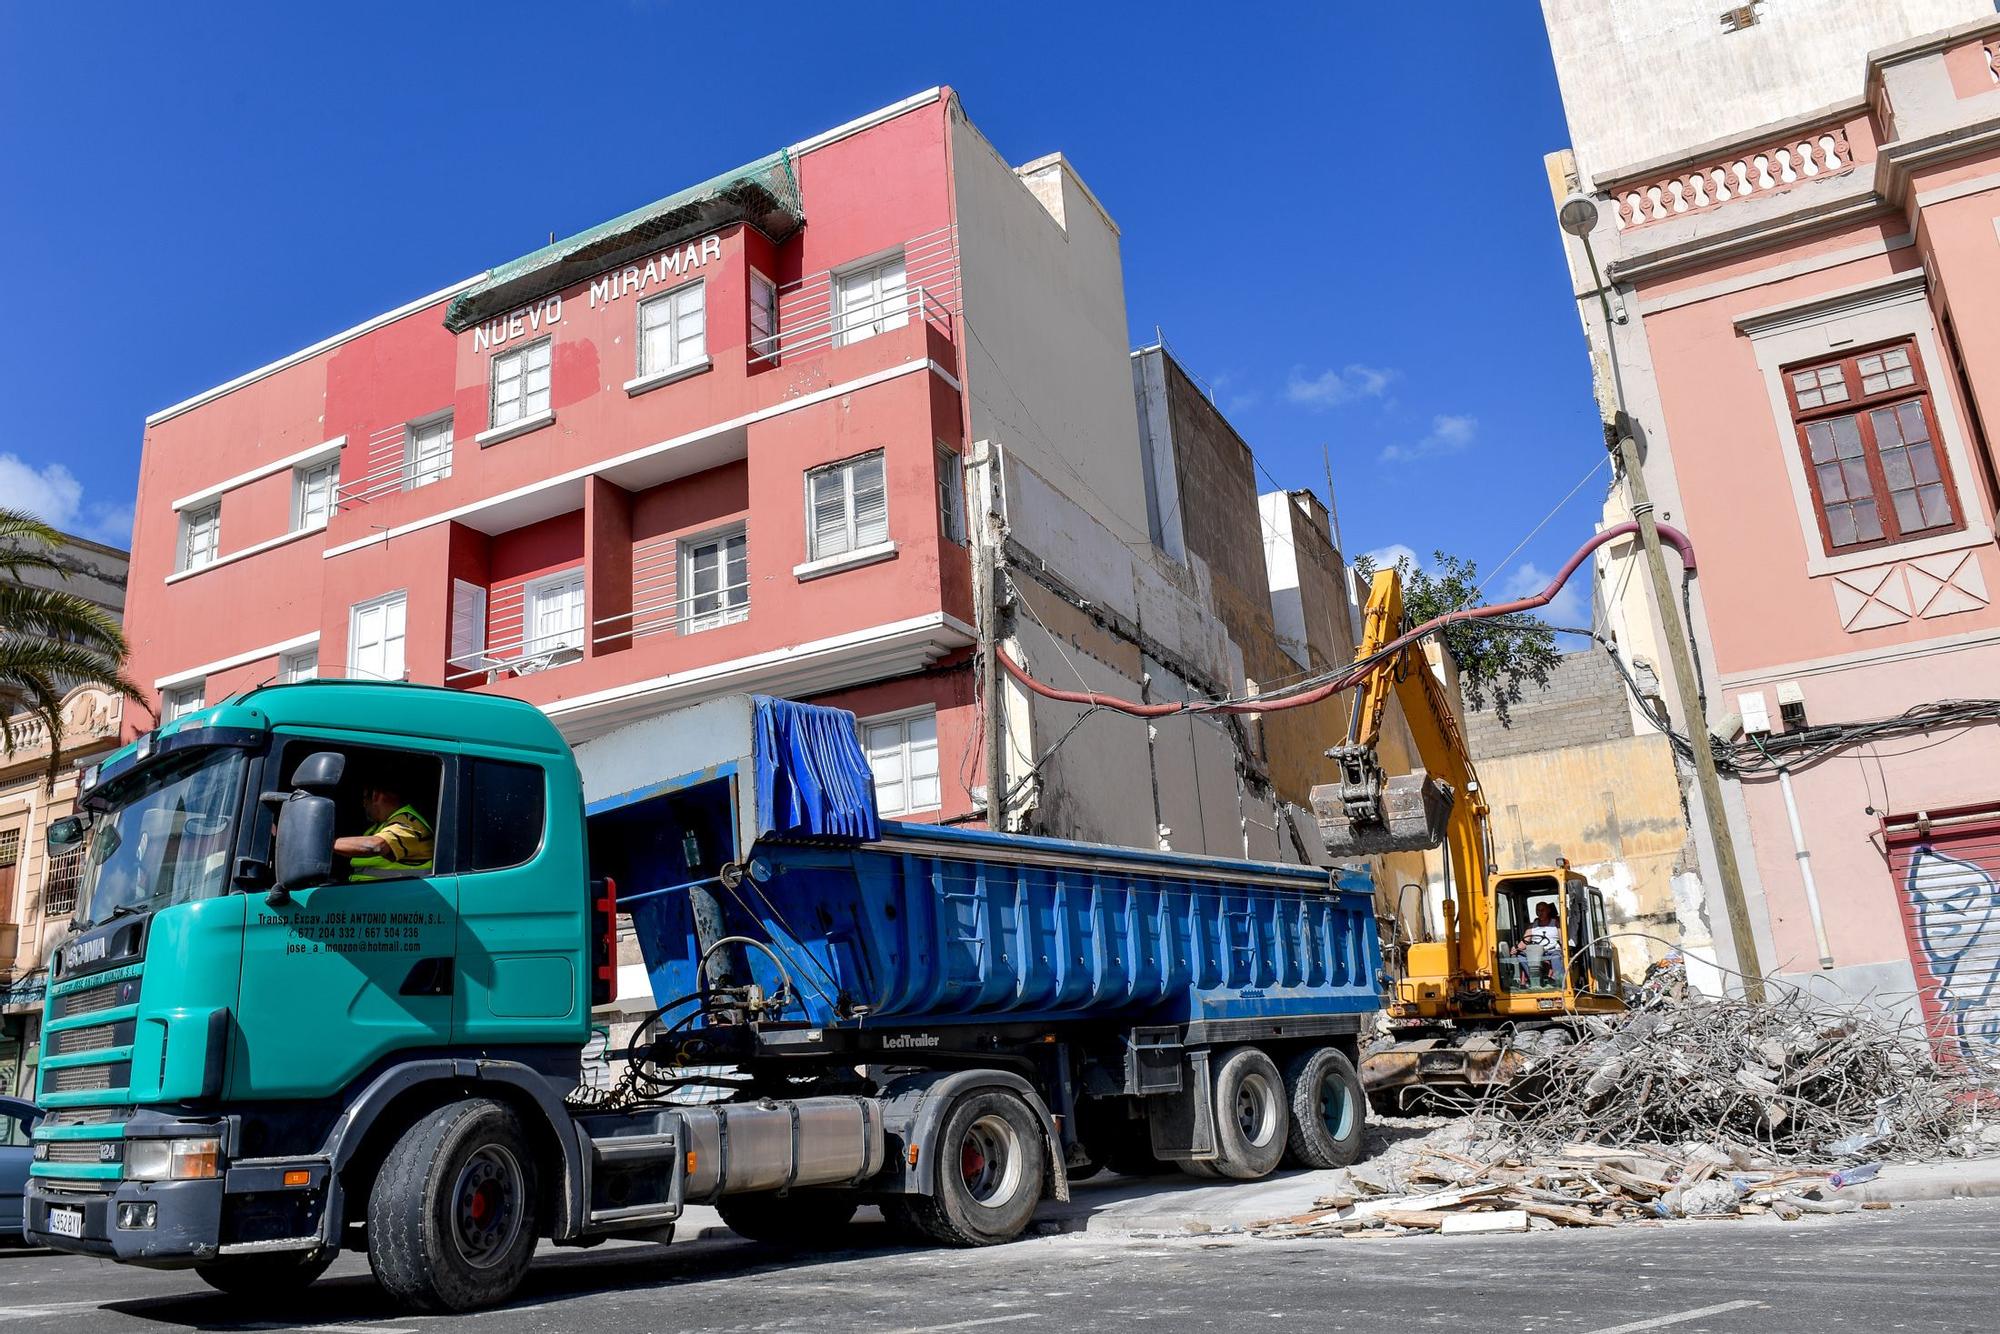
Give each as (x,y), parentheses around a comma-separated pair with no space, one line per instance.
(209,1032)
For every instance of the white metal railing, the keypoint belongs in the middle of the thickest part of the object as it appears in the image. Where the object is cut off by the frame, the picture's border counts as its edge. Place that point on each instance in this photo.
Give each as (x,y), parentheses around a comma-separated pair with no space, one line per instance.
(676,614)
(853,324)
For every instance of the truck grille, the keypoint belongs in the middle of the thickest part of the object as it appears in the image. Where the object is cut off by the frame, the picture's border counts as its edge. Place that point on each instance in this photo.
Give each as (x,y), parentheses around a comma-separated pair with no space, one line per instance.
(77,1078)
(68,1041)
(82,1151)
(90,1001)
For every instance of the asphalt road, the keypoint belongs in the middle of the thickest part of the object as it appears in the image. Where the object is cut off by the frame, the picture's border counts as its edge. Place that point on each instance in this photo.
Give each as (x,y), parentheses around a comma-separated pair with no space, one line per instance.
(1930,1267)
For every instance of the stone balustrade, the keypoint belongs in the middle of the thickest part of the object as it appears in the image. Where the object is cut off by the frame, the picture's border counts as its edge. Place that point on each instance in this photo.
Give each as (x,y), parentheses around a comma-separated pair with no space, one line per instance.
(1761,171)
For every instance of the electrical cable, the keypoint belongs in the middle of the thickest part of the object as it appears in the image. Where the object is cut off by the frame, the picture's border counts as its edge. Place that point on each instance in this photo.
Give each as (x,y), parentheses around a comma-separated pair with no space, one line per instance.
(1346,678)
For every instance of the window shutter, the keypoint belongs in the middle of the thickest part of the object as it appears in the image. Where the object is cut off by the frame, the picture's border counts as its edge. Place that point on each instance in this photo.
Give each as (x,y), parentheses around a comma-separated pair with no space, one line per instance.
(829,512)
(468,625)
(871,503)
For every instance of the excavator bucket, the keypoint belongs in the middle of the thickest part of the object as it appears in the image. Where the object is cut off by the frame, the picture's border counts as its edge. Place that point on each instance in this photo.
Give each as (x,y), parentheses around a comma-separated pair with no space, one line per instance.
(1365,813)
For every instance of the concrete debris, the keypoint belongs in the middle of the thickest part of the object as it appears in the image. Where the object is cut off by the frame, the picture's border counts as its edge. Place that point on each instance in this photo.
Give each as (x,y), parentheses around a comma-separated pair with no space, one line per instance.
(1791,1080)
(1474,1177)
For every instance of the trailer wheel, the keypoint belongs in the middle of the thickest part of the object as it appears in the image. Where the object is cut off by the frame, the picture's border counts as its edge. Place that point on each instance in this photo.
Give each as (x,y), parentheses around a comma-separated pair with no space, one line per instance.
(990,1164)
(1250,1115)
(452,1215)
(802,1219)
(265,1277)
(1327,1109)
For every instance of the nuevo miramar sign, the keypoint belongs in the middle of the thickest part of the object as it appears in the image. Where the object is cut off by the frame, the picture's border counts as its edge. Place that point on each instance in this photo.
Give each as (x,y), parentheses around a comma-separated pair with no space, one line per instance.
(666,267)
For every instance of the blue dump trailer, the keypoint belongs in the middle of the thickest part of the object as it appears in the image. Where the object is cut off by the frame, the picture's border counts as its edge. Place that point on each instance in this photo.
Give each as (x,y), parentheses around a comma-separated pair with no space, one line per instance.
(949,1022)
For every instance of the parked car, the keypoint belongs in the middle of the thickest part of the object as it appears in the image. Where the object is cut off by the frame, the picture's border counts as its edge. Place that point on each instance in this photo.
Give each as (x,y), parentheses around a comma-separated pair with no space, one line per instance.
(17,1118)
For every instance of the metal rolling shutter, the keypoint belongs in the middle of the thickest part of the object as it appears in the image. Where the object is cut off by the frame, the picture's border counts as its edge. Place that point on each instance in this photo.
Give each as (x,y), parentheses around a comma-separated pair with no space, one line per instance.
(1947,870)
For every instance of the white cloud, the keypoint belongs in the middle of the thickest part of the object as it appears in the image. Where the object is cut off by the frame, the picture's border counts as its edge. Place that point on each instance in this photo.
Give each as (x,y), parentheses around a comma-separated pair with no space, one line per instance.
(1568,607)
(1450,433)
(1384,557)
(1330,388)
(55,496)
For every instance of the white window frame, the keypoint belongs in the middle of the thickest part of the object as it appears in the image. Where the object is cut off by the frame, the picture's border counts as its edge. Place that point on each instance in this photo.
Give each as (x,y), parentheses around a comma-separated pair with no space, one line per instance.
(906,749)
(523,414)
(764,304)
(675,303)
(324,475)
(415,474)
(951,495)
(299,664)
(876,312)
(725,611)
(354,615)
(179,701)
(562,584)
(189,556)
(851,530)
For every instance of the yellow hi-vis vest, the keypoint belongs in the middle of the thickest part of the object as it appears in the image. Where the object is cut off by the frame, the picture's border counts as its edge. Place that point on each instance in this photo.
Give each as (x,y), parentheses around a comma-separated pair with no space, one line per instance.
(412,845)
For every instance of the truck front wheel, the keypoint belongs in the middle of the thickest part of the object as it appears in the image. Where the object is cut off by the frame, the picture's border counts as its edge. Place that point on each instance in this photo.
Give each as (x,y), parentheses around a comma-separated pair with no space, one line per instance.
(452,1214)
(266,1277)
(990,1163)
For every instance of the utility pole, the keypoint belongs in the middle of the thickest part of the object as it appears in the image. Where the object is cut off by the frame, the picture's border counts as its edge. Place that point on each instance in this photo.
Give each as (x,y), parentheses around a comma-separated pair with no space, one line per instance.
(1682,665)
(1578,215)
(988,576)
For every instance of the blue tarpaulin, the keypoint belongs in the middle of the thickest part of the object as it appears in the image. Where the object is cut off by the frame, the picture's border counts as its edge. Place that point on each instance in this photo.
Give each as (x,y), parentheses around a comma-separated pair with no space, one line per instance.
(813,778)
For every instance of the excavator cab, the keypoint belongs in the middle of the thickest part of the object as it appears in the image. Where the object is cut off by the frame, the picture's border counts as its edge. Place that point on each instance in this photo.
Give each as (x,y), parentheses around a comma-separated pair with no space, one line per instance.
(1550,945)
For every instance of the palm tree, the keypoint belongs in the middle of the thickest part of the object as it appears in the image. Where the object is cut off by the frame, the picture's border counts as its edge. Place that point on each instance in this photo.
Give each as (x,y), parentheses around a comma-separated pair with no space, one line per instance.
(51,641)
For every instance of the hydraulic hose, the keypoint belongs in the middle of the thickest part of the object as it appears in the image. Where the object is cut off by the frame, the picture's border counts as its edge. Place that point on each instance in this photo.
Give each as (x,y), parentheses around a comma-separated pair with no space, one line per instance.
(1354,676)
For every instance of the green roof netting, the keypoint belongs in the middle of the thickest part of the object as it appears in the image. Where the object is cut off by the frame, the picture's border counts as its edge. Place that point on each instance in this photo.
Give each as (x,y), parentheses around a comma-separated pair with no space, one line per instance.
(764,194)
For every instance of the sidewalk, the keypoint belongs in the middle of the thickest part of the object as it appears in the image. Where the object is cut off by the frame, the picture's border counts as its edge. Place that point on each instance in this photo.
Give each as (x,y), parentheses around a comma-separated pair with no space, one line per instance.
(1177,1205)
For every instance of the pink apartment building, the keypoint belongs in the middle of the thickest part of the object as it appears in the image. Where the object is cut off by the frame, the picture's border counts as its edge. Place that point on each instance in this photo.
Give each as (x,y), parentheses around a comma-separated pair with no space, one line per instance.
(1799,223)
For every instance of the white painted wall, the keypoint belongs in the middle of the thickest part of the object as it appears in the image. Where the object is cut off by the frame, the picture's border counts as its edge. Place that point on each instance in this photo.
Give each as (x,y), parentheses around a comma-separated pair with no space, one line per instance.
(1642,79)
(1048,366)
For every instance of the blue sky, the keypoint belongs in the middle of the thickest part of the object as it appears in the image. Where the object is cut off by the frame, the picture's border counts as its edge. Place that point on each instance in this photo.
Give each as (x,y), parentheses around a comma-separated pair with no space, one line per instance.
(1337,213)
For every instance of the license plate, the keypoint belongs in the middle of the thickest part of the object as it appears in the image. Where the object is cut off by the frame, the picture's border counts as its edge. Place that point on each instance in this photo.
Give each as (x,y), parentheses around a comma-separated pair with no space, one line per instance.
(65,1222)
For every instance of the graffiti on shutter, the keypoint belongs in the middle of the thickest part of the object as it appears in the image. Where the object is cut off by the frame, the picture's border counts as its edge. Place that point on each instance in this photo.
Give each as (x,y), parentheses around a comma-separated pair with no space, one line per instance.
(1949,884)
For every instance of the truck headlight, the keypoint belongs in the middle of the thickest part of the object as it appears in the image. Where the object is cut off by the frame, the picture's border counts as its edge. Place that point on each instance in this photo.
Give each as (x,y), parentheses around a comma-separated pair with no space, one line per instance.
(173,1159)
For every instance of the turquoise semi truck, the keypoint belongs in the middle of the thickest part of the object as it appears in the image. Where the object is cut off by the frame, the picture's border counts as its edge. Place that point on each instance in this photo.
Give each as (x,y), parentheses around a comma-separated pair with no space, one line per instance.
(256,1054)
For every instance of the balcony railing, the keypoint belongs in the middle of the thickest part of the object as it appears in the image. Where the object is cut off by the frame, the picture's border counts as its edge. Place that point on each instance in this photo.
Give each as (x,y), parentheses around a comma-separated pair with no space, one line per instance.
(1804,156)
(390,468)
(526,655)
(855,323)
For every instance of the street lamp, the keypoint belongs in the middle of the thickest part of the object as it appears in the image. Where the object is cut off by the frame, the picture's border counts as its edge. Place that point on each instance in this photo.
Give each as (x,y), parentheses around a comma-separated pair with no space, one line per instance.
(1578,217)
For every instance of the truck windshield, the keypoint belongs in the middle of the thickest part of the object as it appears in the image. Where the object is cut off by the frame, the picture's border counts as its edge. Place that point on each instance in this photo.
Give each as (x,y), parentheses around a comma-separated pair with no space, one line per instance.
(162,836)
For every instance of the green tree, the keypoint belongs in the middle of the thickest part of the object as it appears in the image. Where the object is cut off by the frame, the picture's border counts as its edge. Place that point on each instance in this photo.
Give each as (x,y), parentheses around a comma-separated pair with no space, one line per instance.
(1497,659)
(51,640)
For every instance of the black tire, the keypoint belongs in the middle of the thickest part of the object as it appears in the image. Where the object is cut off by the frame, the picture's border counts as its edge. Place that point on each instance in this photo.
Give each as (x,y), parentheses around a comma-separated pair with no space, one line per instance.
(1251,1119)
(1328,1116)
(991,1162)
(804,1219)
(453,1213)
(266,1277)
(1197,1168)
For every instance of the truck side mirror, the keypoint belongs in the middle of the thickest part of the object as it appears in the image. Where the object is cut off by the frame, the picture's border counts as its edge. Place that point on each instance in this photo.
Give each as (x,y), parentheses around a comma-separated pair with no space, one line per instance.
(304,853)
(320,772)
(67,831)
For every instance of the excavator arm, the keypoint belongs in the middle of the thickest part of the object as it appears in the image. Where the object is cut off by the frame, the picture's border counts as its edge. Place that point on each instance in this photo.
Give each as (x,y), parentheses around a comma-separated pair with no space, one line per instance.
(1439,804)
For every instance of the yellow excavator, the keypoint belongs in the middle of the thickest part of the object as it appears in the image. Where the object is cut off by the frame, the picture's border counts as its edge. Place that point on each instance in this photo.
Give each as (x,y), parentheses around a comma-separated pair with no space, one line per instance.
(1505,958)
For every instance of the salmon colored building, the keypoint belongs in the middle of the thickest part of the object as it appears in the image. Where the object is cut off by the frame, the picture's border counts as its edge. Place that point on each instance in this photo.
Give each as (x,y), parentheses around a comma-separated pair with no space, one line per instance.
(1799,226)
(755,436)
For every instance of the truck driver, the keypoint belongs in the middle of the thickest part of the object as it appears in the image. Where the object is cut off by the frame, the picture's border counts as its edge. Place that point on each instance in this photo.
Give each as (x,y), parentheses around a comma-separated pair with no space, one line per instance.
(398,841)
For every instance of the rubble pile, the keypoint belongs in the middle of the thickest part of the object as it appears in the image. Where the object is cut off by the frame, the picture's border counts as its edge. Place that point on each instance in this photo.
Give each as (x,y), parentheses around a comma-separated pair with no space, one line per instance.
(1790,1080)
(1685,1107)
(1497,1189)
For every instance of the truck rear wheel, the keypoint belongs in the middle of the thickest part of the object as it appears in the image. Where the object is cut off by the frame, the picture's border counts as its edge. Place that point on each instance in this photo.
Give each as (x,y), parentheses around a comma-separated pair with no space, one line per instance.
(264,1277)
(452,1215)
(804,1218)
(1328,1117)
(1250,1115)
(990,1163)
